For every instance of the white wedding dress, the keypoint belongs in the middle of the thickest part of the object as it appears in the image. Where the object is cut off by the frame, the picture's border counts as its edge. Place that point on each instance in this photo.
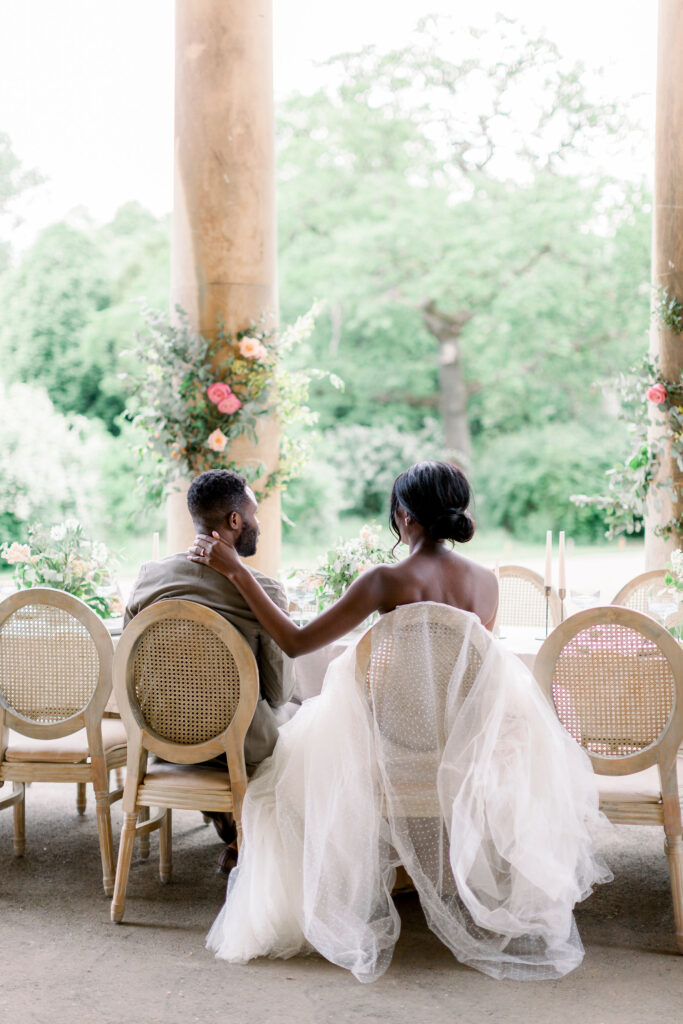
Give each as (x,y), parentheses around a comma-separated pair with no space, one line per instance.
(499,857)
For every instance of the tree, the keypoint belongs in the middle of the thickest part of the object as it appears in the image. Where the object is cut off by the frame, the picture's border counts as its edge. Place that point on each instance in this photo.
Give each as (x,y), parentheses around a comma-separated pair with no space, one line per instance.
(70,309)
(472,256)
(15,180)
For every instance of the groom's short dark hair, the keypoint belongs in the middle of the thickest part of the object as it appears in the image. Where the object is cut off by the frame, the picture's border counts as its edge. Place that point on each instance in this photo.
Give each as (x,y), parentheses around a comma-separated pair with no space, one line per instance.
(215,494)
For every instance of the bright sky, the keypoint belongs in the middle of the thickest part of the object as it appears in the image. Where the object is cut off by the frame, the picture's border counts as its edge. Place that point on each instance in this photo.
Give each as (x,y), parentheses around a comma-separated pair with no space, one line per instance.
(86,87)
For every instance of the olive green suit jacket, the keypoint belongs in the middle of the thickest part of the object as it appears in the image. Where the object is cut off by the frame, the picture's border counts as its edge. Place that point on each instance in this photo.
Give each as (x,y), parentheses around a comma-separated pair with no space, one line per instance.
(175,577)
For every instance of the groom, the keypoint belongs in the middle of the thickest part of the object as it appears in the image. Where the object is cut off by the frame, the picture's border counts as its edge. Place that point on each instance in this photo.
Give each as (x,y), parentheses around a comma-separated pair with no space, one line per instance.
(222,500)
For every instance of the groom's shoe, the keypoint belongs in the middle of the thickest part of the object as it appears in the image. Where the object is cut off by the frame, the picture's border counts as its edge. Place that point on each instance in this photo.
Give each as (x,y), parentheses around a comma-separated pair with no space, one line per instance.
(224,825)
(227,860)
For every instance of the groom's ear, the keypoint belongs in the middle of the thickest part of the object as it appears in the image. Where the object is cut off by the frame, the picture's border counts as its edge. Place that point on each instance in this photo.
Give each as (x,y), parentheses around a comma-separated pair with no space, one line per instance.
(234,521)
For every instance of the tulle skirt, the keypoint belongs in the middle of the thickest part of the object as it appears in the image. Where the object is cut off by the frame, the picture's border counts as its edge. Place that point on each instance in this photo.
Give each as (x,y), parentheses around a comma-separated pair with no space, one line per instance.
(499,857)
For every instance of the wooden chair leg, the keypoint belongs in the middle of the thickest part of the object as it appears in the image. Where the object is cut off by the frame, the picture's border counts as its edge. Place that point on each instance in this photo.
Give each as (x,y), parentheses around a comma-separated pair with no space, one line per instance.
(106,840)
(674,851)
(118,903)
(143,848)
(119,777)
(165,854)
(19,820)
(81,797)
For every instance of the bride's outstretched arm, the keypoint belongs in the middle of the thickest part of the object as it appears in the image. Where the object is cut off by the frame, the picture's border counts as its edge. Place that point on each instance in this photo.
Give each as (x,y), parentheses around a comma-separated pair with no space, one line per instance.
(364,596)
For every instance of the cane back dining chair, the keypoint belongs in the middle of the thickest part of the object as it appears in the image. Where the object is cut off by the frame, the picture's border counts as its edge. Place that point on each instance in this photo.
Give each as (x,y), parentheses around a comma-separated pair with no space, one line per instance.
(186,684)
(55,680)
(637,592)
(615,679)
(522,600)
(390,657)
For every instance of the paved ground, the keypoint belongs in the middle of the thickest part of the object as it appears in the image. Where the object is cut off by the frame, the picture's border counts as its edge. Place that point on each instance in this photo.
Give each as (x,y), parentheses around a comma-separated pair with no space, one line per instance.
(62,961)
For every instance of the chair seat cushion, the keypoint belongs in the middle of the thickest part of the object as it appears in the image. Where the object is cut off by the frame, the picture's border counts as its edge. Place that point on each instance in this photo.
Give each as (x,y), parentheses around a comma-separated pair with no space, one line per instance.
(188,776)
(639,787)
(71,749)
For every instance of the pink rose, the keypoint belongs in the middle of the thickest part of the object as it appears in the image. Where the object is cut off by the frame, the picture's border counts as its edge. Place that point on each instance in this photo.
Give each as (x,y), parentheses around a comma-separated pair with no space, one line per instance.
(252,348)
(229,405)
(657,393)
(217,441)
(218,392)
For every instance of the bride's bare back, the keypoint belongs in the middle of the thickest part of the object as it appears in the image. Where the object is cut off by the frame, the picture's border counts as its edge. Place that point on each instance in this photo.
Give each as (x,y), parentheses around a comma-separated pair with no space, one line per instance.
(428,505)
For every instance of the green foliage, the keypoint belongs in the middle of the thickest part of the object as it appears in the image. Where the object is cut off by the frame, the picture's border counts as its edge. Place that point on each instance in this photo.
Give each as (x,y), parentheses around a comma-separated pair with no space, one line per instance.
(523,481)
(69,309)
(367,460)
(312,501)
(669,311)
(47,462)
(15,180)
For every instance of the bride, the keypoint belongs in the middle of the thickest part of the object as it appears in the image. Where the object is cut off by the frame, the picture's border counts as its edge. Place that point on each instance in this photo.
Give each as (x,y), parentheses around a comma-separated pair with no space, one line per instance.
(505,851)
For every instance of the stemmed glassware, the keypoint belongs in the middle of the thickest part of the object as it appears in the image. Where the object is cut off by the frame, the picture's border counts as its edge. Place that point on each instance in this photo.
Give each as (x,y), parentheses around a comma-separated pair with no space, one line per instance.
(662,605)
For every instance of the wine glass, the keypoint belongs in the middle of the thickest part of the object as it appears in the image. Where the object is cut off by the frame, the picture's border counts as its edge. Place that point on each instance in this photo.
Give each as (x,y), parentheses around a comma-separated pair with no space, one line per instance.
(662,605)
(582,599)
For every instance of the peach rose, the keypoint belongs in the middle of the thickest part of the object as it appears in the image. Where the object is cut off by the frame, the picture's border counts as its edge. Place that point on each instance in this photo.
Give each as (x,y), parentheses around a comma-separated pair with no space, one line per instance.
(657,393)
(252,348)
(17,553)
(218,392)
(229,405)
(217,441)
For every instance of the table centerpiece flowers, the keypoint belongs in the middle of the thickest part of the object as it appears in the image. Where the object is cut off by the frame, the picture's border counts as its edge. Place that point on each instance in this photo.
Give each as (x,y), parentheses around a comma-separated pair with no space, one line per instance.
(346,561)
(62,557)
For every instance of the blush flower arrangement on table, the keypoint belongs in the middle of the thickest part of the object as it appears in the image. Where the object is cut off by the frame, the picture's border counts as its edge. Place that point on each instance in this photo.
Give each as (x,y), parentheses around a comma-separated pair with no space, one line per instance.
(63,558)
(197,395)
(345,562)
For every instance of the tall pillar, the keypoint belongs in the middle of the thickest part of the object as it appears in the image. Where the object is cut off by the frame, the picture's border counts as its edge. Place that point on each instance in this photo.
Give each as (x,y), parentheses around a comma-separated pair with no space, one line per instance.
(224,231)
(667,247)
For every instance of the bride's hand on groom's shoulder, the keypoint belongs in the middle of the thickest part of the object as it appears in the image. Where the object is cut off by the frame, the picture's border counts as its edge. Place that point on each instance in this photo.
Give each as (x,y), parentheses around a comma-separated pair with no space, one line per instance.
(215,552)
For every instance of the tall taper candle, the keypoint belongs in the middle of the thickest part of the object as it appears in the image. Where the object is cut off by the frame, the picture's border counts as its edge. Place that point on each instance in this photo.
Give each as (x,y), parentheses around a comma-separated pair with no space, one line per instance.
(549,559)
(562,570)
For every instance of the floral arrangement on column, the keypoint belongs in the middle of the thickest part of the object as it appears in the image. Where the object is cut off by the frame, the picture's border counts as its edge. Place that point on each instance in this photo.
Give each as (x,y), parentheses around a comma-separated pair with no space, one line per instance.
(635,481)
(198,395)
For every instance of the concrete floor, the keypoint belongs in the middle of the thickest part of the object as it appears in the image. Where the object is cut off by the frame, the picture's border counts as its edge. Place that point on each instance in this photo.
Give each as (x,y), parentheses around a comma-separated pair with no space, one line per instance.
(62,961)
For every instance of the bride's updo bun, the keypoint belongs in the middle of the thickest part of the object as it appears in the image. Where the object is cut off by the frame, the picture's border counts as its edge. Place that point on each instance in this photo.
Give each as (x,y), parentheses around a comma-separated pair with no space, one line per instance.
(436,495)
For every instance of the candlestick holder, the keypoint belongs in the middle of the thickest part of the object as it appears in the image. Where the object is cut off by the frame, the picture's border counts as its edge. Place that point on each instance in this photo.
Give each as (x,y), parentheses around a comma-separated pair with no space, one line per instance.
(547,612)
(562,592)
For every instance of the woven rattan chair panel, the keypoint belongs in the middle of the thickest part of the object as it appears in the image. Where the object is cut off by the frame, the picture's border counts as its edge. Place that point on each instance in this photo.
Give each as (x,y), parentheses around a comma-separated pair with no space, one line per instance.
(636,593)
(400,662)
(613,689)
(185,680)
(49,665)
(522,601)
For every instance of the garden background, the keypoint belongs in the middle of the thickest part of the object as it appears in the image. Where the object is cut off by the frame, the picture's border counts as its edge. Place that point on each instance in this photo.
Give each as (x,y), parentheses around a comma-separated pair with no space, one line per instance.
(472,209)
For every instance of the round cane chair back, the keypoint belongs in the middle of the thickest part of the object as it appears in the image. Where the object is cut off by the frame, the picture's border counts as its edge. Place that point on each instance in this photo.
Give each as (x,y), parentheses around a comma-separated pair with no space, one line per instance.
(185,676)
(615,678)
(522,599)
(637,592)
(55,660)
(407,663)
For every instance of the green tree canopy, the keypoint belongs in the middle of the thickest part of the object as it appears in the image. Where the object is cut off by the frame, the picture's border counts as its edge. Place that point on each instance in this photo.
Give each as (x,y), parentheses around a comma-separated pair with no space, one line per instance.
(473,256)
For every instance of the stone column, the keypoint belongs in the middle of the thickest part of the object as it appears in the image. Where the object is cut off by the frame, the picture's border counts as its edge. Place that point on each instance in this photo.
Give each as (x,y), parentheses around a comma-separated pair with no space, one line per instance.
(667,245)
(224,231)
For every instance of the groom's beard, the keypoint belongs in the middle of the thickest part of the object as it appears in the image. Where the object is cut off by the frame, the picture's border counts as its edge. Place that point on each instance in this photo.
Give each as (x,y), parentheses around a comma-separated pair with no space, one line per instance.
(246,544)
